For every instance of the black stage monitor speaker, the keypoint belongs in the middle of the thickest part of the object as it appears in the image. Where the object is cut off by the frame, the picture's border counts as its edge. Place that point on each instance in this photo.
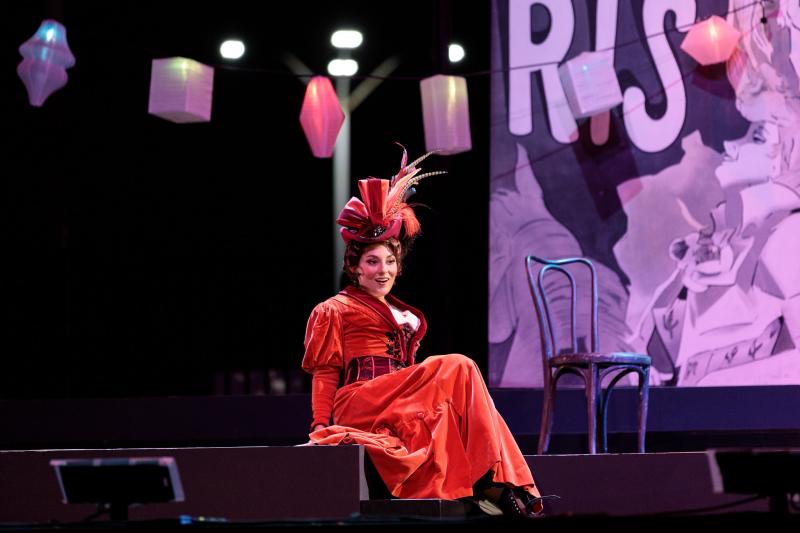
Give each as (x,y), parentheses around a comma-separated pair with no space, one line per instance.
(769,472)
(116,483)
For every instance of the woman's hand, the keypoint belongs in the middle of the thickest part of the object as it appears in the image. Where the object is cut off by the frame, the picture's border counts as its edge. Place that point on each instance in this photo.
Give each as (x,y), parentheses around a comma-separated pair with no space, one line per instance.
(318,427)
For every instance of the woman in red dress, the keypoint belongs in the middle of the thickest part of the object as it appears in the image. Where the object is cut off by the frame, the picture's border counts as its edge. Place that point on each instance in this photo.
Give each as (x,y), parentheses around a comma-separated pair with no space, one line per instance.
(430,428)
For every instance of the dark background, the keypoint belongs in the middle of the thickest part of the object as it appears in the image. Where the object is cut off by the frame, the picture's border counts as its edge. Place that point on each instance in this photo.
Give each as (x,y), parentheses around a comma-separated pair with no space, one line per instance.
(143,257)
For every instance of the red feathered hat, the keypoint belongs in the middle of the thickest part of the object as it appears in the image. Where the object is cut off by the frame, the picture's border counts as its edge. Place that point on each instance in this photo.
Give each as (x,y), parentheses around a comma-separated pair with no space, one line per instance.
(384,211)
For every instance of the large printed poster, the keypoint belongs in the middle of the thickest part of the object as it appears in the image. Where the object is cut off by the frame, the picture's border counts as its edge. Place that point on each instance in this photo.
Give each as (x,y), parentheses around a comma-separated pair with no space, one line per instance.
(686,196)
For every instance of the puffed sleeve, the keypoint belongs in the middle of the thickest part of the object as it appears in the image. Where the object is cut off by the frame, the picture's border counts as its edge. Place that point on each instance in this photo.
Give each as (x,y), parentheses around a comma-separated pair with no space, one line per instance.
(323,359)
(323,340)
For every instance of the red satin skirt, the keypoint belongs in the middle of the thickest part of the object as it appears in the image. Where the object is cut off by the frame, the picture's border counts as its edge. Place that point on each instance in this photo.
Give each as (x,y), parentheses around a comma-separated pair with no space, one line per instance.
(431,430)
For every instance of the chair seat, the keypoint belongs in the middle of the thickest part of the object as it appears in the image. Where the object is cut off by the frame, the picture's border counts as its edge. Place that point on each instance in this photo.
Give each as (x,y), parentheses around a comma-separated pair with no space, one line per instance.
(602,358)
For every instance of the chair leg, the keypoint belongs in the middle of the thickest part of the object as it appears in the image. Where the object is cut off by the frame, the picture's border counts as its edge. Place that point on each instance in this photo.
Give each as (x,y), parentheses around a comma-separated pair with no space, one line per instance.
(602,418)
(644,393)
(547,416)
(592,388)
(605,399)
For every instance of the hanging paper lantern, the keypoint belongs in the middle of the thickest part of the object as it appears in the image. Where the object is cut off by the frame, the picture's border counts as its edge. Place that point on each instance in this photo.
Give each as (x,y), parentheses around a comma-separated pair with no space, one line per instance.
(711,41)
(321,116)
(445,112)
(590,83)
(181,90)
(46,56)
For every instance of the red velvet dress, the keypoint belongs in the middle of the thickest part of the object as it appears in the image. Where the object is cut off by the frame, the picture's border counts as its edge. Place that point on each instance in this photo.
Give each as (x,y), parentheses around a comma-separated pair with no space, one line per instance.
(431,429)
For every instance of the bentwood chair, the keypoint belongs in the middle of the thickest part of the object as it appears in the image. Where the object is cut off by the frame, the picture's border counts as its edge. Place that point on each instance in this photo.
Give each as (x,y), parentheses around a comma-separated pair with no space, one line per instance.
(592,366)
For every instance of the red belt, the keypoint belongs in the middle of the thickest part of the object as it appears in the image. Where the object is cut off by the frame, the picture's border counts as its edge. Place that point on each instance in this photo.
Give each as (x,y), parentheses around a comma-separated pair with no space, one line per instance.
(370,367)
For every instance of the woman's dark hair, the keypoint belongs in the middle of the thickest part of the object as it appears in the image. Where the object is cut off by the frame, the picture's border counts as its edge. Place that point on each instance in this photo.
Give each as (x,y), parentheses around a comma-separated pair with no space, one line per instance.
(354,250)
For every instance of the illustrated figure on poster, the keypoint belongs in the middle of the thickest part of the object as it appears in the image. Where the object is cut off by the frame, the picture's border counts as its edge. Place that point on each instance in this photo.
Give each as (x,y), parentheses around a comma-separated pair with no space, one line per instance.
(729,314)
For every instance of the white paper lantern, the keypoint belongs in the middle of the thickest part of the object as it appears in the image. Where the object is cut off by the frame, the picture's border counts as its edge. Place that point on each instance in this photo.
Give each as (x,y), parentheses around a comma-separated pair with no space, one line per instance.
(181,90)
(445,112)
(590,83)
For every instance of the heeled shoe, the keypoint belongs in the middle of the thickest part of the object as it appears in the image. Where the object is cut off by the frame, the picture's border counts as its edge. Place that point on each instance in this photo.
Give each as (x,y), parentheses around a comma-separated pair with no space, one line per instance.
(517,503)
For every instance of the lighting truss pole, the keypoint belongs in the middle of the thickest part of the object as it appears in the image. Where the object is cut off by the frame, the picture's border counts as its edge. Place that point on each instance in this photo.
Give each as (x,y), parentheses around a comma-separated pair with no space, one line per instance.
(341,152)
(341,177)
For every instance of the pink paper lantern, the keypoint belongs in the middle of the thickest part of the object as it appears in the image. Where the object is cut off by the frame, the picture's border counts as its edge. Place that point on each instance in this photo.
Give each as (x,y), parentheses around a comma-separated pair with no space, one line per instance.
(445,113)
(46,58)
(181,90)
(321,116)
(711,41)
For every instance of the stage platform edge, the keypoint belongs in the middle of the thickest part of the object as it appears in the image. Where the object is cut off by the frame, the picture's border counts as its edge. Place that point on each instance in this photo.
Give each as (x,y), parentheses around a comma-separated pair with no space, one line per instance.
(331,482)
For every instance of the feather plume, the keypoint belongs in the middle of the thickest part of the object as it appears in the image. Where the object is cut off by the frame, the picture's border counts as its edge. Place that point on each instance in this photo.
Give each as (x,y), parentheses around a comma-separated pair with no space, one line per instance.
(403,161)
(398,193)
(405,178)
(421,158)
(410,222)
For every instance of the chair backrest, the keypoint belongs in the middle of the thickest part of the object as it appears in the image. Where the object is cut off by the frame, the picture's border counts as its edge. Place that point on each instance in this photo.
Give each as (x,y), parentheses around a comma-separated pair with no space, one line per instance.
(539,294)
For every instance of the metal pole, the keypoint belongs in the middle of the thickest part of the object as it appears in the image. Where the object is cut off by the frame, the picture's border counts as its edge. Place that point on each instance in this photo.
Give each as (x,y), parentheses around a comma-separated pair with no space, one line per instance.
(341,177)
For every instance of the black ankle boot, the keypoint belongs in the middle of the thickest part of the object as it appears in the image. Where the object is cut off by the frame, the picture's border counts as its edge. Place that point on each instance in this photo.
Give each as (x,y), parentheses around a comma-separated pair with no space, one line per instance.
(516,503)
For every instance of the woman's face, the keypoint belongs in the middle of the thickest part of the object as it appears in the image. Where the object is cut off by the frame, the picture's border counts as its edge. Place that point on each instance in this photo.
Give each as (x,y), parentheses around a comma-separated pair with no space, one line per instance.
(755,158)
(377,270)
